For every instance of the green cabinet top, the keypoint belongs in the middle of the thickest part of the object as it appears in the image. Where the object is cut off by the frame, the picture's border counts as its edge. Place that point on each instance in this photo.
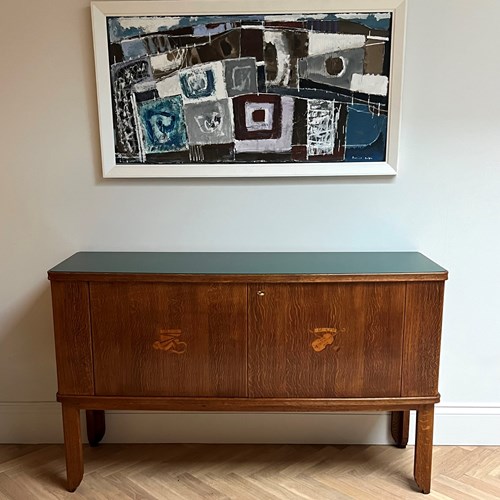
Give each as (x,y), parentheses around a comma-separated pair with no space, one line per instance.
(246,263)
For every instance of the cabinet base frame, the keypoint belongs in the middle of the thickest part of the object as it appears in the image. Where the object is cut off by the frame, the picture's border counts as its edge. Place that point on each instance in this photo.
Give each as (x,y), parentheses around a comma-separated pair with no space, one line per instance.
(95,406)
(299,405)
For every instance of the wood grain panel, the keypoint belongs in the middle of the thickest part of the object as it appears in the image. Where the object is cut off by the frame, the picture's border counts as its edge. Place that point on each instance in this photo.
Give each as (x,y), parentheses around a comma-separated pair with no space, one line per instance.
(70,305)
(422,339)
(169,339)
(364,358)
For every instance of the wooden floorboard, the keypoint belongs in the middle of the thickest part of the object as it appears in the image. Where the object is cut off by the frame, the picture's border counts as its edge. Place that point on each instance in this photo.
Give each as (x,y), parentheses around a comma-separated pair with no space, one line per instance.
(247,472)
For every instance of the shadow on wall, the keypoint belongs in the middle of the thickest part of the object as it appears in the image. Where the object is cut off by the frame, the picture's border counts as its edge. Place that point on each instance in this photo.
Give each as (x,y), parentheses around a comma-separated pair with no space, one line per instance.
(239,428)
(27,356)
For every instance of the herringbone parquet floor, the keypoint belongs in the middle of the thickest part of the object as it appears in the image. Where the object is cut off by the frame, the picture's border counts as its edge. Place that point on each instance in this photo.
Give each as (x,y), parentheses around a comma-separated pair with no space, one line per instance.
(262,472)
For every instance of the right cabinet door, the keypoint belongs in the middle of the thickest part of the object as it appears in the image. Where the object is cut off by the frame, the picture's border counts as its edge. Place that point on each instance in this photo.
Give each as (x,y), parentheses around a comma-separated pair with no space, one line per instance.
(325,340)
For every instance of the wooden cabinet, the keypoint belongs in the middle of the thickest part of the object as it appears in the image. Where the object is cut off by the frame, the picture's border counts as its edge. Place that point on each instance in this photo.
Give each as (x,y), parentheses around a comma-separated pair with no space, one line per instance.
(251,332)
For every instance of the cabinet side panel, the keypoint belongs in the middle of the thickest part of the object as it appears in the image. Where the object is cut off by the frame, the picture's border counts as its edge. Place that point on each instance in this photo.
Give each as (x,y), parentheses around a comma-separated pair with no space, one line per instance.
(71,310)
(422,338)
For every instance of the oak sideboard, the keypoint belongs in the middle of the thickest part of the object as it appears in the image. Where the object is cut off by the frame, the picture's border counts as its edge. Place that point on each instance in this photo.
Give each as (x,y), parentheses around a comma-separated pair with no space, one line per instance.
(280,332)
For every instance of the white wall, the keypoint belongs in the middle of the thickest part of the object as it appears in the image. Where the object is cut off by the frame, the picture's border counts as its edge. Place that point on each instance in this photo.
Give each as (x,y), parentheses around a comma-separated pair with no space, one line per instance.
(445,202)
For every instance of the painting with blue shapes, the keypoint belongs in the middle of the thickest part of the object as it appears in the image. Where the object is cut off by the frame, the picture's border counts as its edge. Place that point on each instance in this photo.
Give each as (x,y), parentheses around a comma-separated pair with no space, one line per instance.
(236,89)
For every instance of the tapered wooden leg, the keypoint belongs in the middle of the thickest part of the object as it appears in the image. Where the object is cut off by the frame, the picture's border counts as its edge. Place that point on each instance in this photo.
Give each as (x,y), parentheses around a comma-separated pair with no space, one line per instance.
(423,448)
(400,427)
(96,426)
(72,446)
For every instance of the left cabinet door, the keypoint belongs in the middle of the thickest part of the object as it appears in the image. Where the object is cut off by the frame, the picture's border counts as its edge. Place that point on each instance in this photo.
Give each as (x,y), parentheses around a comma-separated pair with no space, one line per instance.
(179,340)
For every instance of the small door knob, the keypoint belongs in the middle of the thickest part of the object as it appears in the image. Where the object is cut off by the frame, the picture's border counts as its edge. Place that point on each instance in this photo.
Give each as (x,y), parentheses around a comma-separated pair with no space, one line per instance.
(260,293)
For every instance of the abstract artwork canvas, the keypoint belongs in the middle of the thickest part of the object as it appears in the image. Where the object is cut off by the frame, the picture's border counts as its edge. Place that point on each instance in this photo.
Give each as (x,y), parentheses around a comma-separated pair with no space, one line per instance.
(268,91)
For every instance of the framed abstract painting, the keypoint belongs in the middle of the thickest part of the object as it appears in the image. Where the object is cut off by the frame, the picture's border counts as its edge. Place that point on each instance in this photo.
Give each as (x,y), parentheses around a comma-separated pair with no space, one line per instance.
(237,89)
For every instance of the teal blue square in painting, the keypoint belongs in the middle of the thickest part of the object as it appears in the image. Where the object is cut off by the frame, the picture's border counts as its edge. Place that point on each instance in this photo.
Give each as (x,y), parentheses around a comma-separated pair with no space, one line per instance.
(163,125)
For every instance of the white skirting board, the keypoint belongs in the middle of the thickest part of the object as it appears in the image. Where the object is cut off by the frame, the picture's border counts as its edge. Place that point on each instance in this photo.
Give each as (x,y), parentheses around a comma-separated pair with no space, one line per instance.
(40,422)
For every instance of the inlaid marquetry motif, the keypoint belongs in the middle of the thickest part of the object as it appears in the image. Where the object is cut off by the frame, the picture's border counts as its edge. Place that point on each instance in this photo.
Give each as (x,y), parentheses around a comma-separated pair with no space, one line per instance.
(170,341)
(324,338)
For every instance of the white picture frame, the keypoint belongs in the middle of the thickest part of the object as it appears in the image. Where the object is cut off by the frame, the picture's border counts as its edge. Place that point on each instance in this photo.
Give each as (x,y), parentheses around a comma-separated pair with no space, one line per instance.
(102,10)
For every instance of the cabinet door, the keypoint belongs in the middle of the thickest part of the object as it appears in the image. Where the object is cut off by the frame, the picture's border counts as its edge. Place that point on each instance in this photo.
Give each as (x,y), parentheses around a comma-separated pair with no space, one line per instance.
(325,340)
(169,339)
